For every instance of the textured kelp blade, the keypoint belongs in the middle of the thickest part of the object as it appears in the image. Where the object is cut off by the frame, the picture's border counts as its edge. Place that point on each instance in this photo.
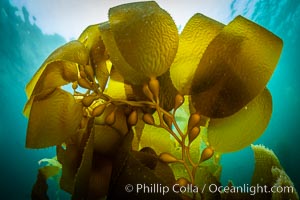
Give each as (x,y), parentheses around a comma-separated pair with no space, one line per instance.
(73,51)
(59,69)
(235,68)
(269,172)
(117,58)
(71,157)
(146,36)
(265,160)
(39,189)
(56,74)
(283,181)
(242,128)
(53,119)
(92,39)
(70,160)
(195,37)
(82,177)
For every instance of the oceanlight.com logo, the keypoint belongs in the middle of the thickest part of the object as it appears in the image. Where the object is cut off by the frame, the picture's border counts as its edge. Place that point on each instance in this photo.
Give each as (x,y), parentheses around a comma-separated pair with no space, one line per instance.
(250,189)
(212,188)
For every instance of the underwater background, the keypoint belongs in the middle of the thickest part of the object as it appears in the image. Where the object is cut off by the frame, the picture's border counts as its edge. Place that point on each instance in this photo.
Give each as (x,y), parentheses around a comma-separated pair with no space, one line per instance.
(24,46)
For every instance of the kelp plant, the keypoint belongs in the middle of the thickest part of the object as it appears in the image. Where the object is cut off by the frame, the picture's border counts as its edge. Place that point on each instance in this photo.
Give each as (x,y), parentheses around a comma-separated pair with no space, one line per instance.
(149,105)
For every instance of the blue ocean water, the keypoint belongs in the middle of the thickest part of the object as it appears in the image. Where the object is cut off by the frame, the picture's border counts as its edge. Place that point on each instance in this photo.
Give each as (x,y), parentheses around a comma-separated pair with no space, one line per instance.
(23,47)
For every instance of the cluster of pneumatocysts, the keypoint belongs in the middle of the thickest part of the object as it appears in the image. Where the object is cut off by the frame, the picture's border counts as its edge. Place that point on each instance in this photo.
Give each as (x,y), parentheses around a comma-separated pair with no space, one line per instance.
(96,103)
(167,121)
(86,78)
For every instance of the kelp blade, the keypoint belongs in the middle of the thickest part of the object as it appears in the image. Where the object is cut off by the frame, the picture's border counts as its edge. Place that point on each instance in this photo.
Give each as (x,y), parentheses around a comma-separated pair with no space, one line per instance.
(145,35)
(235,68)
(117,58)
(53,119)
(242,128)
(73,51)
(193,41)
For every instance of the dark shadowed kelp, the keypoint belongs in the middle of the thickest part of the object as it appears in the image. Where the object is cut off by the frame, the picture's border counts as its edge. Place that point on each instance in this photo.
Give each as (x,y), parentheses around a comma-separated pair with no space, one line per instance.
(154,107)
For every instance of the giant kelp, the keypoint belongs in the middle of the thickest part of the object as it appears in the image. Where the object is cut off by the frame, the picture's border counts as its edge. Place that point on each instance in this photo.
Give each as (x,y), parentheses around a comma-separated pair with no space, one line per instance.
(150,105)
